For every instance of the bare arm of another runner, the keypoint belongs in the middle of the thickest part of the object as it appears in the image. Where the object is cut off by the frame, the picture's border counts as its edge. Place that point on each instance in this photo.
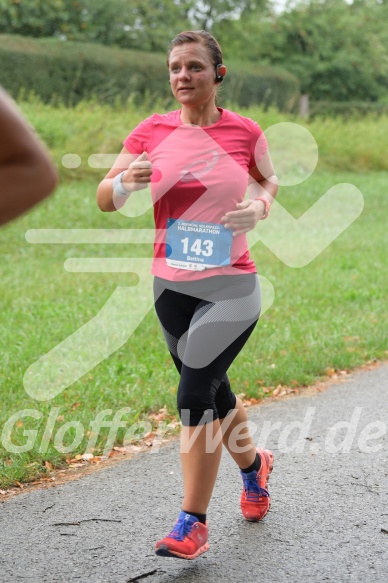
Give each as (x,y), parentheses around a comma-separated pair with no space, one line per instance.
(27,175)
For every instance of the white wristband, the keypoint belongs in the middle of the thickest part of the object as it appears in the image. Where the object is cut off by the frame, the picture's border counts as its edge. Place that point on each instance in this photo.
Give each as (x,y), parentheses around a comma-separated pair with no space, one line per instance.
(118,186)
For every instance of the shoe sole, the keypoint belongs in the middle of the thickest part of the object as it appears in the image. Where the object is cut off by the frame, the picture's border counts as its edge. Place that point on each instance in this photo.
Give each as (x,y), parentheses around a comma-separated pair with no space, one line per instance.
(164,551)
(269,458)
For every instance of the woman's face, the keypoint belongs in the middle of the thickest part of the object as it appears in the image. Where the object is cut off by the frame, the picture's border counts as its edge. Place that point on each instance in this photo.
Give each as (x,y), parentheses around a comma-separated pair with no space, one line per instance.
(192,75)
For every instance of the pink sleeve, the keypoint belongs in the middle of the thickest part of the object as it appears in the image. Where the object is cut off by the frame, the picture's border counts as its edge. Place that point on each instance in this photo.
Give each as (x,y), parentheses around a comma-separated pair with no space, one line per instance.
(259,145)
(138,140)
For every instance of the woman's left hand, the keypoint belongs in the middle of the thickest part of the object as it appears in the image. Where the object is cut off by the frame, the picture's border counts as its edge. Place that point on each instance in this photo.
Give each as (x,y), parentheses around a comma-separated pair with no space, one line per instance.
(245,218)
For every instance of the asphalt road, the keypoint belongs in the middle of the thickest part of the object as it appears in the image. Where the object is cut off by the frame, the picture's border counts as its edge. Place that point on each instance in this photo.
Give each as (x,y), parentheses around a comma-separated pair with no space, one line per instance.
(328,520)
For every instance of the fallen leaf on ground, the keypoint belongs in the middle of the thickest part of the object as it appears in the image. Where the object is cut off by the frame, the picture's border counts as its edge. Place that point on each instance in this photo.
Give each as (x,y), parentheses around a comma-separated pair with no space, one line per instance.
(149,439)
(160,415)
(96,459)
(120,449)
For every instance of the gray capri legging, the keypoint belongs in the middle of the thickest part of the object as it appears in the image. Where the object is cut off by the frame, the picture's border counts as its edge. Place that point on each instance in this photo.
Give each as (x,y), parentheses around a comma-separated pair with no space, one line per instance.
(205,324)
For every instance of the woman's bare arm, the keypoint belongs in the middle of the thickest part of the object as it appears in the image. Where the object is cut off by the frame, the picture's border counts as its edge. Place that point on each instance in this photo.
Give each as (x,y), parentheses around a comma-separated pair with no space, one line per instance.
(137,175)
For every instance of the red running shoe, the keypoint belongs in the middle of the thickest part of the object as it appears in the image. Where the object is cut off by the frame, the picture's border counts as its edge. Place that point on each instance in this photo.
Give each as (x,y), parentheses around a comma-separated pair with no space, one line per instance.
(255,499)
(187,540)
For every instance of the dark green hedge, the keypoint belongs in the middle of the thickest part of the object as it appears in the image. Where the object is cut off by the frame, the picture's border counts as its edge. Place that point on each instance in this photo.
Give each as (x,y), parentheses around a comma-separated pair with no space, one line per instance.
(248,84)
(346,109)
(73,71)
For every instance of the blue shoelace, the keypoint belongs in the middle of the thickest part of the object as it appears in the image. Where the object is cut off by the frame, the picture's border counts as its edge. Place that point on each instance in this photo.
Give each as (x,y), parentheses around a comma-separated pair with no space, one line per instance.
(252,489)
(183,526)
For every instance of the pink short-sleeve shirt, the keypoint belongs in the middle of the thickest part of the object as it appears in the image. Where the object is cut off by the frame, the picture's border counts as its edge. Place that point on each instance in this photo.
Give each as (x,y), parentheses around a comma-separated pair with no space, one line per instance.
(199,174)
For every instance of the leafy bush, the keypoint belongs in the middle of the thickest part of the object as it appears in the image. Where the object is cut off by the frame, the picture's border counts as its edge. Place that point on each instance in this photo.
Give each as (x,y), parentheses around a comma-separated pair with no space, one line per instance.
(68,72)
(249,84)
(347,109)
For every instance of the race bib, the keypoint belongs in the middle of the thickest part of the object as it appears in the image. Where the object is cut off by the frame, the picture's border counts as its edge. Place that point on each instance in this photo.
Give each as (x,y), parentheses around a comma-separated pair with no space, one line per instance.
(197,246)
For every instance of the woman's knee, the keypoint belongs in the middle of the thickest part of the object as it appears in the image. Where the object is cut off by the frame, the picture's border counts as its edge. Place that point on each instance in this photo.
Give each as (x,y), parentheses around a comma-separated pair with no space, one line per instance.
(196,400)
(225,400)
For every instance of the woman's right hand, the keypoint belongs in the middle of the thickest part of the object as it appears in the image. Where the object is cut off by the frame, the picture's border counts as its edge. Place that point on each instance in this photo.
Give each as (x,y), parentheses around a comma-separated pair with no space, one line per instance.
(138,175)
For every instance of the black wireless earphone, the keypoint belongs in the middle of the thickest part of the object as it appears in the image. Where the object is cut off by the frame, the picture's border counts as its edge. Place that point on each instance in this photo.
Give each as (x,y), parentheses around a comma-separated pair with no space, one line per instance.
(219,78)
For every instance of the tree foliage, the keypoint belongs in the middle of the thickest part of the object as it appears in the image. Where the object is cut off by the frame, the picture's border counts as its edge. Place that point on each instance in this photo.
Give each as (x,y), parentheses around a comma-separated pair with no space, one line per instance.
(208,13)
(337,49)
(147,24)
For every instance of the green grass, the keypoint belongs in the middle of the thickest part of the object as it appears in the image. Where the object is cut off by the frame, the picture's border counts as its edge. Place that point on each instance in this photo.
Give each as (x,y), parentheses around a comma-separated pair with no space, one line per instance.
(344,145)
(329,314)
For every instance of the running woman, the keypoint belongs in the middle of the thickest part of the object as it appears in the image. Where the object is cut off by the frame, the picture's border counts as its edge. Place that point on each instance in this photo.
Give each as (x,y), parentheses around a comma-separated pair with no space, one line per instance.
(211,181)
